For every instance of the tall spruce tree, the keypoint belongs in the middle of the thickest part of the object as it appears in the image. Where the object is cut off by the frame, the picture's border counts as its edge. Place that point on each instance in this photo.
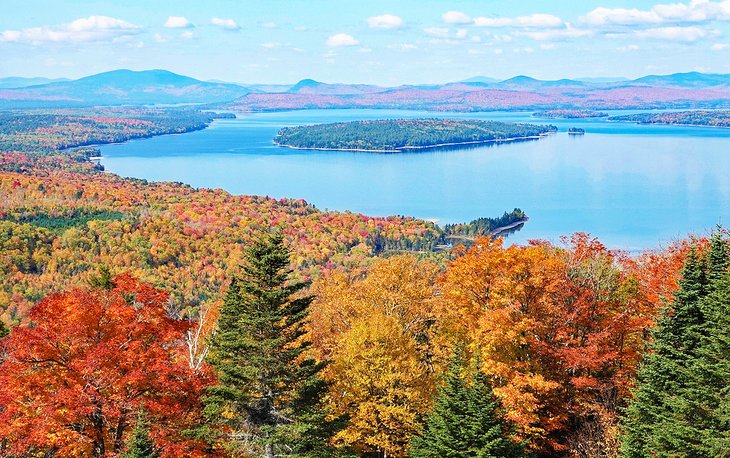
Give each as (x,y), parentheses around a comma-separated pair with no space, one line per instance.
(466,419)
(670,414)
(3,330)
(140,444)
(269,394)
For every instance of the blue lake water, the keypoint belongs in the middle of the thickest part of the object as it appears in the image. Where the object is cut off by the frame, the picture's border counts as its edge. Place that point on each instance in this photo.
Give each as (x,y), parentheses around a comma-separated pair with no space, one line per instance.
(633,186)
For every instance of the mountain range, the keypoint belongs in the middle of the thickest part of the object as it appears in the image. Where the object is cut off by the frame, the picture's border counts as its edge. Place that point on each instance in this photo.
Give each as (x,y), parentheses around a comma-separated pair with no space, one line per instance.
(680,90)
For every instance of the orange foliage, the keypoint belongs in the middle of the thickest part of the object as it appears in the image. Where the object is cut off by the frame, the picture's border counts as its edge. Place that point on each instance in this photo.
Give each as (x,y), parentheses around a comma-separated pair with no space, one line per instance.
(560,330)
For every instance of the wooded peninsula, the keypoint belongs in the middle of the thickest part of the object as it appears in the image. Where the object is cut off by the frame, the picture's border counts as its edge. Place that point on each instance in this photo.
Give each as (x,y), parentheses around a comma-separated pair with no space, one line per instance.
(398,135)
(709,118)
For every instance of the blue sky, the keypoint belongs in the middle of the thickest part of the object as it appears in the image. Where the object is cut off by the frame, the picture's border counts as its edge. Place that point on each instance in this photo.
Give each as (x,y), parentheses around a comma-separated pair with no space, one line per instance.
(365,41)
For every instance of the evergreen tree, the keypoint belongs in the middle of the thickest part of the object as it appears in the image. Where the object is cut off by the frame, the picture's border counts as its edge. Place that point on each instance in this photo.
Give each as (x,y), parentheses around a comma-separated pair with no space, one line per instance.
(140,443)
(269,395)
(3,330)
(672,409)
(706,399)
(466,419)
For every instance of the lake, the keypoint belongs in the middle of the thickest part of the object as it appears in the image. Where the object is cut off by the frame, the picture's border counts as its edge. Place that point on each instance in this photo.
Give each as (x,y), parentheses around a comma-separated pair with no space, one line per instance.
(634,186)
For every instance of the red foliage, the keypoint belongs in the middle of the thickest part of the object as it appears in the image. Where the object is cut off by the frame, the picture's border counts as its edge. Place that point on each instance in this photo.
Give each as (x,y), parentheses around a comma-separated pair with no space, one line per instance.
(74,380)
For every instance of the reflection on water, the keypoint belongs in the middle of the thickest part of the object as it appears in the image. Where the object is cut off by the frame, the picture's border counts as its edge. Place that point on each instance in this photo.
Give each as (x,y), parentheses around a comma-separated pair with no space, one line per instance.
(634,186)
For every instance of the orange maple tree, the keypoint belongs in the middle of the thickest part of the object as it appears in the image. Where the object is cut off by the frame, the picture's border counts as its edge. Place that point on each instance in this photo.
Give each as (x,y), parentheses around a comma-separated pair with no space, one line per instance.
(73,381)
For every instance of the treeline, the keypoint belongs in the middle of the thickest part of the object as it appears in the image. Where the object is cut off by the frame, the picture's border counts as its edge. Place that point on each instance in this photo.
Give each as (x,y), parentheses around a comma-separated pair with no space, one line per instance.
(569,114)
(403,134)
(34,131)
(506,351)
(710,118)
(485,226)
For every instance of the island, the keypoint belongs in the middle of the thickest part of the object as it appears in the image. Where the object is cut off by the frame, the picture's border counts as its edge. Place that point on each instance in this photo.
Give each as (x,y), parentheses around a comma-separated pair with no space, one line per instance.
(569,114)
(576,131)
(699,118)
(398,135)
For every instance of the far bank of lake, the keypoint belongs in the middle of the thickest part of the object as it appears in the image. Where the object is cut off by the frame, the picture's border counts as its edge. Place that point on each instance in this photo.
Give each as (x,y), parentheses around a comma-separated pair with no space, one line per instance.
(634,186)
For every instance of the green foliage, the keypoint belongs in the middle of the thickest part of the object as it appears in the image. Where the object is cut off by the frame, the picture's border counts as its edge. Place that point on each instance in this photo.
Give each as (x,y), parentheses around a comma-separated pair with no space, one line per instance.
(681,405)
(466,419)
(140,444)
(395,135)
(485,226)
(102,281)
(4,331)
(267,390)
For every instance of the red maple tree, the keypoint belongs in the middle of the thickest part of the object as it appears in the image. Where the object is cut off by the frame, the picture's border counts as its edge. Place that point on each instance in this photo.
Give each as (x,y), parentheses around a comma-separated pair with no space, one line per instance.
(72,381)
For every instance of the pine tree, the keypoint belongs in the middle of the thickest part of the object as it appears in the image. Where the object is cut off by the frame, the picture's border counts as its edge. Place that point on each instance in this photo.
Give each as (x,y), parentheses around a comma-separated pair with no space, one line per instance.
(466,419)
(706,400)
(672,409)
(268,393)
(3,330)
(140,444)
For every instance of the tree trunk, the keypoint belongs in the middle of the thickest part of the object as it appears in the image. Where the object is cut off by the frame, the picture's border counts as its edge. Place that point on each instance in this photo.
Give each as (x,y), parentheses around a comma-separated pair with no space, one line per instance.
(119,433)
(269,451)
(97,420)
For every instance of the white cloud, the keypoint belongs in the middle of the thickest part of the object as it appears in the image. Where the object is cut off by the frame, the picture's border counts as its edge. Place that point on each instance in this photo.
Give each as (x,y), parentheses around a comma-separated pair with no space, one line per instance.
(456,17)
(270,45)
(683,34)
(386,21)
(226,24)
(92,28)
(342,39)
(720,46)
(159,38)
(437,32)
(269,25)
(403,47)
(695,11)
(536,21)
(178,22)
(539,21)
(492,22)
(188,34)
(556,34)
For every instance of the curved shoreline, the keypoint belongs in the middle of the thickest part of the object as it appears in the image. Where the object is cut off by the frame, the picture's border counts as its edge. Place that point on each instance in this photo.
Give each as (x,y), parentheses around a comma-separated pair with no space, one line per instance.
(405,149)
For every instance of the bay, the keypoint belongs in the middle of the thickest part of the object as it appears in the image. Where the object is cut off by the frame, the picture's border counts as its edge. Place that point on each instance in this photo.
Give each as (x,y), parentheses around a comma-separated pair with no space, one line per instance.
(633,186)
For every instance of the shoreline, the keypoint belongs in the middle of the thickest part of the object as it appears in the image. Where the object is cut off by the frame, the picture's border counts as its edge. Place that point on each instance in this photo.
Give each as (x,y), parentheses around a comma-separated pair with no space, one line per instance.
(407,148)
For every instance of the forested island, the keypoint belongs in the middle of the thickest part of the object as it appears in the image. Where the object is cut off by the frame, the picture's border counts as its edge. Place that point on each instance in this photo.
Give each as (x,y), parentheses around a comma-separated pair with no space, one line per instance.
(569,114)
(398,135)
(705,118)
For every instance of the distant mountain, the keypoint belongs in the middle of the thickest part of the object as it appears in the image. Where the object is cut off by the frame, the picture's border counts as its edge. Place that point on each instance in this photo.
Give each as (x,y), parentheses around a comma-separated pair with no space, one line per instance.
(124,87)
(526,82)
(310,86)
(691,79)
(681,90)
(19,81)
(602,79)
(479,79)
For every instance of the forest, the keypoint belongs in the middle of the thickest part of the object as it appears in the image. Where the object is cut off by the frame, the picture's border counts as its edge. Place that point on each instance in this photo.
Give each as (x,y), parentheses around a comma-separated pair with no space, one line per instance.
(709,118)
(569,114)
(143,319)
(397,135)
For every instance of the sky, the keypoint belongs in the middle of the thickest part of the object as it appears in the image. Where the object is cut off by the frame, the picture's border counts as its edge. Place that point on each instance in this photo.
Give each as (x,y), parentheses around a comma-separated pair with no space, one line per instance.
(384,42)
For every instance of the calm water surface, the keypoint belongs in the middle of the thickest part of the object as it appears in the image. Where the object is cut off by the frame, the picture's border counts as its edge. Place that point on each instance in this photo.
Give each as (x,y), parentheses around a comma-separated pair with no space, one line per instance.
(633,186)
